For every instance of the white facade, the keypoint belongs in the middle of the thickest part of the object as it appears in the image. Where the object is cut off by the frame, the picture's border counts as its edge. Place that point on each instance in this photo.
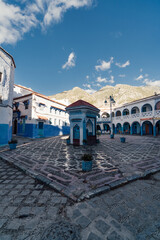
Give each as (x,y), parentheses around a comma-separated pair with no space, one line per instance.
(139,113)
(35,111)
(7,67)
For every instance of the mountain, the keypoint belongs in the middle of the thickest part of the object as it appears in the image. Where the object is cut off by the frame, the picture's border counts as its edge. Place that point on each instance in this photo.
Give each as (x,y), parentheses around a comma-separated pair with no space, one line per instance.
(122,94)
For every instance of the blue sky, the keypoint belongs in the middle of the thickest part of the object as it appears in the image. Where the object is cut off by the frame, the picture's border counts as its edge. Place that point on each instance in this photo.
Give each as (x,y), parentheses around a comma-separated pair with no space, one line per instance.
(60,44)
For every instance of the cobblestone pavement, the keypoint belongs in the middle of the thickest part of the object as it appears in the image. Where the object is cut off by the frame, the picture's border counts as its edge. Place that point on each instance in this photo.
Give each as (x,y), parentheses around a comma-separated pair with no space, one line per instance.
(32,211)
(115,163)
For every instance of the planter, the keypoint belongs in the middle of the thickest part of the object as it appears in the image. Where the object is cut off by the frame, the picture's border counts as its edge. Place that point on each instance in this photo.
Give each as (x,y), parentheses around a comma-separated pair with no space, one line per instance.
(123,139)
(86,166)
(112,136)
(68,141)
(12,146)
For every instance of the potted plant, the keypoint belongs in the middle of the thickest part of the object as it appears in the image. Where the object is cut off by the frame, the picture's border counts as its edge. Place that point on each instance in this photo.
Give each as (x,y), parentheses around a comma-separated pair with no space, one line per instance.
(12,144)
(68,140)
(87,162)
(122,139)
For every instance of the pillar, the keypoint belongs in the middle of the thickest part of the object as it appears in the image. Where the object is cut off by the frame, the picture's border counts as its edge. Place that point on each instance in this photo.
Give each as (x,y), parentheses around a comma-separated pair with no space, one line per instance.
(141,131)
(131,130)
(154,131)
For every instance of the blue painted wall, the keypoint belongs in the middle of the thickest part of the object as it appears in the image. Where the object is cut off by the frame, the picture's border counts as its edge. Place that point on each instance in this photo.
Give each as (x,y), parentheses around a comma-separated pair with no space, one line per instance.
(32,131)
(5,134)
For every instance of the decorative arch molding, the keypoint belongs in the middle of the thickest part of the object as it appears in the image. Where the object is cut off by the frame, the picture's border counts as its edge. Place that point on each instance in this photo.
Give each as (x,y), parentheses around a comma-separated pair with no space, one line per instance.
(135,110)
(105,115)
(126,127)
(125,112)
(157,106)
(136,128)
(147,128)
(118,113)
(146,107)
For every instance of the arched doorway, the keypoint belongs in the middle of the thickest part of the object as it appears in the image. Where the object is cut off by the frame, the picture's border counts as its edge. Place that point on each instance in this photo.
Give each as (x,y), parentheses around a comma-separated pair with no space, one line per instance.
(125,112)
(118,113)
(158,128)
(146,108)
(134,110)
(118,128)
(126,128)
(89,127)
(98,128)
(106,127)
(147,128)
(76,135)
(157,106)
(136,128)
(113,126)
(105,115)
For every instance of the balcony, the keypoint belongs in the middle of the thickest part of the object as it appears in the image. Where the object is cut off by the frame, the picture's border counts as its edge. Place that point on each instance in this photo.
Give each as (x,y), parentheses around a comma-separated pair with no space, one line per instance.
(103,119)
(147,114)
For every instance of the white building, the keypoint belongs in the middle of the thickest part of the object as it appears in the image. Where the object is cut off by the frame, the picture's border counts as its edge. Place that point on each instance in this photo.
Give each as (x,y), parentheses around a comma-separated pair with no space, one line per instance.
(7,67)
(36,115)
(138,117)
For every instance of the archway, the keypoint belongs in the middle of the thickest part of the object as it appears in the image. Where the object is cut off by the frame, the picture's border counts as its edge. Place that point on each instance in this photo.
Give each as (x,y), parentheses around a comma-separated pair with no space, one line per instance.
(98,128)
(157,106)
(125,112)
(147,128)
(105,115)
(136,128)
(126,128)
(134,110)
(118,113)
(146,108)
(106,127)
(89,127)
(112,114)
(76,135)
(158,128)
(118,128)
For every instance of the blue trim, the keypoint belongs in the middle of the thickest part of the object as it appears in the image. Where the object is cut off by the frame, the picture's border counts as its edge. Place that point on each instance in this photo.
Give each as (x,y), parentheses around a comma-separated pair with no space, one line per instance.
(5,134)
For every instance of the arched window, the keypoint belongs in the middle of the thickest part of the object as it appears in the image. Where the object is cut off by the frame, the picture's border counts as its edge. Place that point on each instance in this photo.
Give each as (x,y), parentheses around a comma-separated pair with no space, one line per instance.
(134,110)
(125,112)
(118,113)
(146,108)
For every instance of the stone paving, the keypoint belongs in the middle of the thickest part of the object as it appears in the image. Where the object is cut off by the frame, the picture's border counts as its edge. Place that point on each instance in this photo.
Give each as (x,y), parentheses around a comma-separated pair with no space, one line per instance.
(32,211)
(114,163)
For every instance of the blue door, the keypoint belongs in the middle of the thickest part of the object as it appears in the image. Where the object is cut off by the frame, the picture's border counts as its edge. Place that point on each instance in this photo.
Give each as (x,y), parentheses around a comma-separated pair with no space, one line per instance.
(76,135)
(41,129)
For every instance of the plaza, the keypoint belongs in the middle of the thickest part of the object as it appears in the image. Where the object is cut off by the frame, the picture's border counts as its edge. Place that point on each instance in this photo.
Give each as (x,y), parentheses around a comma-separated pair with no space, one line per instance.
(42,185)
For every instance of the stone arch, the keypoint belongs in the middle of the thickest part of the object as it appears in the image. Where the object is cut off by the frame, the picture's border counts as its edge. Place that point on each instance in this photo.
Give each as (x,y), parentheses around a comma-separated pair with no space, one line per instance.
(147,128)
(125,112)
(118,113)
(106,127)
(118,128)
(126,128)
(135,110)
(105,115)
(157,128)
(157,106)
(146,107)
(136,128)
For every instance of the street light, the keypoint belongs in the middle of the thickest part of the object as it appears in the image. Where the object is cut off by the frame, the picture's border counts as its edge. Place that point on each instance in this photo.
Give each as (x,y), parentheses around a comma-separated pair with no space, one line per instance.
(111,101)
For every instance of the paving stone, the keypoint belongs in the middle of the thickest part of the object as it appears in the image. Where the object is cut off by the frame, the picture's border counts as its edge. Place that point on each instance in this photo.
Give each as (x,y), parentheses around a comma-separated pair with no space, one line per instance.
(114,236)
(2,222)
(83,221)
(76,214)
(6,237)
(14,225)
(101,226)
(93,236)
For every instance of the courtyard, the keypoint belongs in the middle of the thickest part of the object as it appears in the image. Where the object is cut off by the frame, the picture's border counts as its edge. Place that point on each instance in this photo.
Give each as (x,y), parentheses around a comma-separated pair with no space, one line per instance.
(58,165)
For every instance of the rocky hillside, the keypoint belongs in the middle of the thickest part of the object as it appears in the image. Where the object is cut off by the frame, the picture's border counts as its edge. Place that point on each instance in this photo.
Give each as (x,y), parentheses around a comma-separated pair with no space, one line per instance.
(122,94)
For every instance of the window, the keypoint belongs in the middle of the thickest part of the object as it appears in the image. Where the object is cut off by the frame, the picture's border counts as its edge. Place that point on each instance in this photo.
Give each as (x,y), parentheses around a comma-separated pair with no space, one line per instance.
(26,103)
(55,122)
(50,121)
(0,76)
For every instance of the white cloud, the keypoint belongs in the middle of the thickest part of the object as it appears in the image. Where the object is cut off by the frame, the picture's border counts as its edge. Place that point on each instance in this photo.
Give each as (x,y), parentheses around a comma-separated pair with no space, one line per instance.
(100,80)
(105,80)
(16,20)
(111,80)
(123,65)
(122,75)
(87,77)
(87,85)
(71,61)
(104,65)
(141,70)
(140,77)
(155,83)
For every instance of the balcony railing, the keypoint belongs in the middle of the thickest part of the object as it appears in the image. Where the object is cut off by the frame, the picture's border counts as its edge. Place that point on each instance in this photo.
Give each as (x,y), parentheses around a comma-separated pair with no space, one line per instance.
(135,115)
(157,113)
(147,114)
